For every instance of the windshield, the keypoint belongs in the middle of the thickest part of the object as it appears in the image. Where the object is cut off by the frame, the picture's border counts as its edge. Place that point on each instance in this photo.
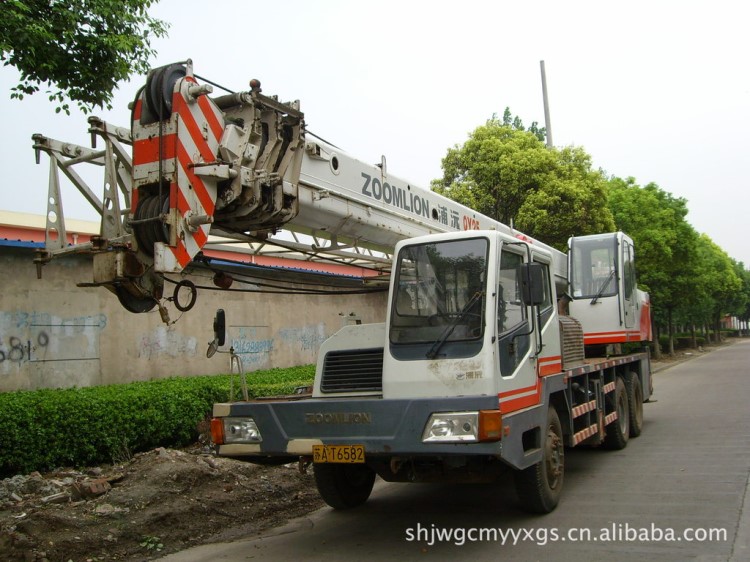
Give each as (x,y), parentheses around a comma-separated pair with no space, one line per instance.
(440,285)
(593,267)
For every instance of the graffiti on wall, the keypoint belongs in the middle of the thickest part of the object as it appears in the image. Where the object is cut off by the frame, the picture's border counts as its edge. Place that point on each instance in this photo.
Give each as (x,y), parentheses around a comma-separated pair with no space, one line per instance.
(16,351)
(307,338)
(253,345)
(36,319)
(163,341)
(33,336)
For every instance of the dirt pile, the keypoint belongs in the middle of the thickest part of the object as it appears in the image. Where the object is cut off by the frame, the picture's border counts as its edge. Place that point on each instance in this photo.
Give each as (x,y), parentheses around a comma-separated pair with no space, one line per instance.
(158,502)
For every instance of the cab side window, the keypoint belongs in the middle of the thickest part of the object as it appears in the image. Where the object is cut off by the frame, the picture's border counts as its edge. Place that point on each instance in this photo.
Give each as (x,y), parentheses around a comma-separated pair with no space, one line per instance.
(545,309)
(510,310)
(512,326)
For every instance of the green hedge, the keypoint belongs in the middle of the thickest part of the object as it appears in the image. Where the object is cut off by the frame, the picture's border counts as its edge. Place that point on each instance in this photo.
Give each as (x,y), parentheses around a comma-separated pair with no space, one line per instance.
(44,429)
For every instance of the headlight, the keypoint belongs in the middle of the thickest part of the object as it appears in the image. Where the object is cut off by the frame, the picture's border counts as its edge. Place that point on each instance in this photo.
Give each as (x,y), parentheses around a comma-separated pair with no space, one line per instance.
(452,427)
(241,430)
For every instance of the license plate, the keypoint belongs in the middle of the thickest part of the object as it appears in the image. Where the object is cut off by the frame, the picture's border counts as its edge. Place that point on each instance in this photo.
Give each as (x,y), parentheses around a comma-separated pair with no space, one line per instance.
(339,453)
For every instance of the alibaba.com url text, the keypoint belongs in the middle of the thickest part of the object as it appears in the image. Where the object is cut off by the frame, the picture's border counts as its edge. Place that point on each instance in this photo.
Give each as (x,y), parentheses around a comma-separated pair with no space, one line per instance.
(541,536)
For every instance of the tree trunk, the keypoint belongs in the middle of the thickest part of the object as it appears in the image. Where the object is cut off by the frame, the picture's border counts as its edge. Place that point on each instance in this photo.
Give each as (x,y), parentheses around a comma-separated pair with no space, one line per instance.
(693,337)
(655,334)
(670,328)
(717,327)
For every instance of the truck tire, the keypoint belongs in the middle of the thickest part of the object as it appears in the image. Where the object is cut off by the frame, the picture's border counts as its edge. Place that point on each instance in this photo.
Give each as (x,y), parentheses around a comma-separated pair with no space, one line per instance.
(539,486)
(343,486)
(635,403)
(618,431)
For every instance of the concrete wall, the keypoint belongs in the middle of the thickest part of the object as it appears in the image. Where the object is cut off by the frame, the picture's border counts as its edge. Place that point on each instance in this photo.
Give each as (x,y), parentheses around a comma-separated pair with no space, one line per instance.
(54,334)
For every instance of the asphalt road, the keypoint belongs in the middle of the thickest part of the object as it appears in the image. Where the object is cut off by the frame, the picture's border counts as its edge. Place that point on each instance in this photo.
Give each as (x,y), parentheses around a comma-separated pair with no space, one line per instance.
(684,479)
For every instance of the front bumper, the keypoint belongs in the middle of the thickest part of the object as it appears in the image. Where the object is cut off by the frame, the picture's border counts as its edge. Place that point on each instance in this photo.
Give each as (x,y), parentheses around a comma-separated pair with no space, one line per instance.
(386,427)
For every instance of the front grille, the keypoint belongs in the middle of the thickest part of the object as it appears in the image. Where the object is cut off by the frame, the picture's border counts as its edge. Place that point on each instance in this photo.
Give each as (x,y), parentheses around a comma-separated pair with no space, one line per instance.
(571,336)
(353,370)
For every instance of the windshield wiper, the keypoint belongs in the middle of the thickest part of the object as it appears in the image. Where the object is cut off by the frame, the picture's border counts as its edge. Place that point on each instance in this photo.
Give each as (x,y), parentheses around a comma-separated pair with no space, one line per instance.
(604,286)
(432,353)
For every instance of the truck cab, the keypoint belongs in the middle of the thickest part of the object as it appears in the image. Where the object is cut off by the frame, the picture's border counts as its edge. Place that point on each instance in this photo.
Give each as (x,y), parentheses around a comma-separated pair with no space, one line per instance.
(605,296)
(457,323)
(458,366)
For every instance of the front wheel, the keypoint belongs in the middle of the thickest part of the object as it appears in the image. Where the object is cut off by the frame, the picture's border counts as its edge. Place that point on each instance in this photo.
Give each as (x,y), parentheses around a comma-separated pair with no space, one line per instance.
(539,486)
(343,486)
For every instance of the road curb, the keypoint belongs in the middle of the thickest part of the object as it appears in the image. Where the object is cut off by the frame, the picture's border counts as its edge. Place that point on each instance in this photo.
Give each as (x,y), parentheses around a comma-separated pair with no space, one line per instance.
(658,366)
(741,546)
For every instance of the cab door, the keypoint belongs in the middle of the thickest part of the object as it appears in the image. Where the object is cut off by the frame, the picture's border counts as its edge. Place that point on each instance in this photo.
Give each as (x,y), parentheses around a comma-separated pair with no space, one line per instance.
(513,325)
(516,345)
(629,285)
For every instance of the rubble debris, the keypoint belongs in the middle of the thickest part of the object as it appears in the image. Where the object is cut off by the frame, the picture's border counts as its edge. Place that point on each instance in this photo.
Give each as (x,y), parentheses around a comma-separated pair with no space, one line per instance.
(185,497)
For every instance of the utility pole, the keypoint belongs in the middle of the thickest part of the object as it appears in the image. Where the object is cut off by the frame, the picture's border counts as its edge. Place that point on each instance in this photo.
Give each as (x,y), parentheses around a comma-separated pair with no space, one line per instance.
(547,124)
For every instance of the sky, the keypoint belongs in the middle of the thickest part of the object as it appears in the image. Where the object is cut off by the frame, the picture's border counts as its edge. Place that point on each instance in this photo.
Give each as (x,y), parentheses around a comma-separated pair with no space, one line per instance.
(656,90)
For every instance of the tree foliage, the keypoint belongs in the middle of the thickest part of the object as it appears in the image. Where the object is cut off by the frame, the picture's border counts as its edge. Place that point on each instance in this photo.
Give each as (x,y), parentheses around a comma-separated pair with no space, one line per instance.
(665,245)
(690,279)
(743,308)
(78,49)
(515,122)
(495,169)
(663,238)
(722,286)
(507,173)
(572,202)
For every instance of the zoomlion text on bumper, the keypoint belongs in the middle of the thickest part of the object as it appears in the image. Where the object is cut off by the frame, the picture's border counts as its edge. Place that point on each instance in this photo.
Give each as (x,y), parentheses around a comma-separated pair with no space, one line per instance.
(541,536)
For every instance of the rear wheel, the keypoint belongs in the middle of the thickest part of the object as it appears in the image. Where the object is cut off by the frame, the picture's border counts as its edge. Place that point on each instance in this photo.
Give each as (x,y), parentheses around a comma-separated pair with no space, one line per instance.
(539,486)
(635,403)
(618,431)
(343,486)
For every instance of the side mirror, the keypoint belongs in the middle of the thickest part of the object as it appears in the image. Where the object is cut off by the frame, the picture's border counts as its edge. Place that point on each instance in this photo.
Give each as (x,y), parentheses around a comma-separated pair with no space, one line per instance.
(532,283)
(220,327)
(219,333)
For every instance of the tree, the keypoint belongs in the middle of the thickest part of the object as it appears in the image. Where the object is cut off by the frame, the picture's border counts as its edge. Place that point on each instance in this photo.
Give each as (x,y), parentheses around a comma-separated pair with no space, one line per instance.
(79,49)
(721,280)
(515,122)
(743,312)
(507,173)
(571,202)
(665,246)
(739,300)
(495,169)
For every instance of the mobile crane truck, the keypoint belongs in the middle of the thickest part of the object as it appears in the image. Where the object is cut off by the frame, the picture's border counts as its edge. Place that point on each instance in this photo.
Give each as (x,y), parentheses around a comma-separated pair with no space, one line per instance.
(497,351)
